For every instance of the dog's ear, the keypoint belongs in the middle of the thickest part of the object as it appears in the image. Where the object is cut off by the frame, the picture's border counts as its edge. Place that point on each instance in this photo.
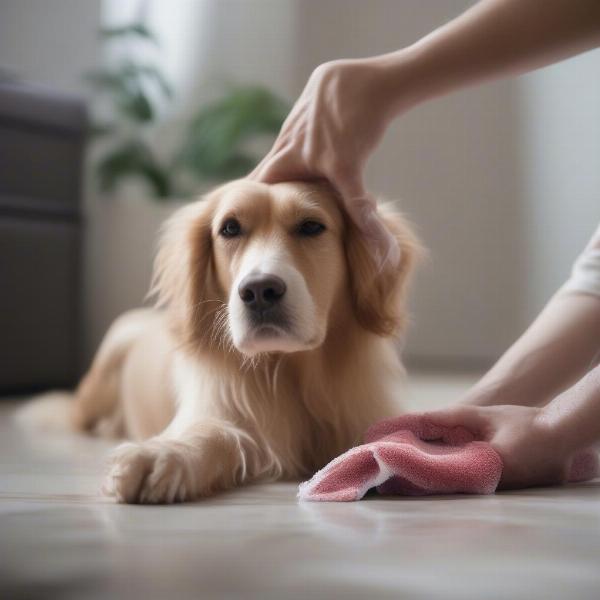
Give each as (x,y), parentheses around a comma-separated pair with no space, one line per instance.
(184,280)
(379,292)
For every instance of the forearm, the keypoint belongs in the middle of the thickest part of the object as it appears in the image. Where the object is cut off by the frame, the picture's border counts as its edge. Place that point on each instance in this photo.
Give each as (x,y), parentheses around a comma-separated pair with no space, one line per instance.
(560,346)
(574,416)
(494,38)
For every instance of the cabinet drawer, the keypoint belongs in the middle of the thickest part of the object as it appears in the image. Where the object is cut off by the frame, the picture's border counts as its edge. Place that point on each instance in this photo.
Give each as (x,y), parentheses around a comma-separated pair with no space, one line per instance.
(41,165)
(39,312)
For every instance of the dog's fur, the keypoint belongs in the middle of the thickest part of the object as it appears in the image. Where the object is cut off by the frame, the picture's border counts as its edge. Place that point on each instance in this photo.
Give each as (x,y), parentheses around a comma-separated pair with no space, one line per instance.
(212,400)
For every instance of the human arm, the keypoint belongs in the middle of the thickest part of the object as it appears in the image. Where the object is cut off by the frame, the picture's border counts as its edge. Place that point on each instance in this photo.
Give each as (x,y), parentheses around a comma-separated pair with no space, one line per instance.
(538,446)
(494,38)
(560,346)
(526,406)
(574,416)
(347,105)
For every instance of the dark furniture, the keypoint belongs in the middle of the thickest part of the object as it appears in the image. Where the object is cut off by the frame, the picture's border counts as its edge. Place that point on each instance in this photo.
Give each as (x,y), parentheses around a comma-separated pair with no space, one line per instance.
(41,148)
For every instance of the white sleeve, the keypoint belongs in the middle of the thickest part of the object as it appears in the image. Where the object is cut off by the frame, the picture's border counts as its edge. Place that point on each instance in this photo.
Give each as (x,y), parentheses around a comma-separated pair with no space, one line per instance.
(585,275)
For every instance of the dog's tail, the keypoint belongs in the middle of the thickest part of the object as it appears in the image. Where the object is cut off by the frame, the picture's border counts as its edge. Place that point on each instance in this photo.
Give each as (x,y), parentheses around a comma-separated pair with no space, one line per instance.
(49,412)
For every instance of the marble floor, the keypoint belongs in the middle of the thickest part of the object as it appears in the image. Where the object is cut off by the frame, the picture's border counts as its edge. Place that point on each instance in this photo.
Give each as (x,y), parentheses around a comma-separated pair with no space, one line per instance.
(59,538)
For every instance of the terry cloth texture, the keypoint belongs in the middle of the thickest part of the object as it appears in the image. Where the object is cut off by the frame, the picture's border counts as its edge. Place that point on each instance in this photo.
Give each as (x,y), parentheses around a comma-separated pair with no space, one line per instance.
(412,457)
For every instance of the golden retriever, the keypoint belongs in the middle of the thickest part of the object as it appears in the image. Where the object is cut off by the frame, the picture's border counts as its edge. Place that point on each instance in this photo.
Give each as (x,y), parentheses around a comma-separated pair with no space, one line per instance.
(271,351)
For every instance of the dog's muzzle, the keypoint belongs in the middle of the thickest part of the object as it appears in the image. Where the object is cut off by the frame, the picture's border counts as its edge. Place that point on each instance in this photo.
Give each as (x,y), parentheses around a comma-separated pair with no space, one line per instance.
(262,295)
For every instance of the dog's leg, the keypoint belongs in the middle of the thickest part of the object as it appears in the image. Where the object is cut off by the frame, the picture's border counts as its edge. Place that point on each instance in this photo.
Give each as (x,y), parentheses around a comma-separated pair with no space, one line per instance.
(206,457)
(97,395)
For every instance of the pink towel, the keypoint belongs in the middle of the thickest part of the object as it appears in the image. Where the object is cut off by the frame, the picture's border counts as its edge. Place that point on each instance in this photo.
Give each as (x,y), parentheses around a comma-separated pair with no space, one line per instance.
(410,456)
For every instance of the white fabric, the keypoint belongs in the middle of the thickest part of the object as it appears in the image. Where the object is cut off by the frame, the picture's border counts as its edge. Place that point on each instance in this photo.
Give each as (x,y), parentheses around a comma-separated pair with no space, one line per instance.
(585,276)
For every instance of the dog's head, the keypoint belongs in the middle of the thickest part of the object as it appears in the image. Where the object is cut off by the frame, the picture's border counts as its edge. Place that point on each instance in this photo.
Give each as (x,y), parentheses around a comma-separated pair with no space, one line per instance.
(273,268)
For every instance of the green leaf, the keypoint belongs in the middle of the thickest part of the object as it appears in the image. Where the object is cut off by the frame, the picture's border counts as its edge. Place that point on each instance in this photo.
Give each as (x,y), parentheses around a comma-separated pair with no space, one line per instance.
(128,84)
(102,129)
(137,106)
(127,90)
(212,147)
(153,74)
(133,30)
(133,159)
(106,80)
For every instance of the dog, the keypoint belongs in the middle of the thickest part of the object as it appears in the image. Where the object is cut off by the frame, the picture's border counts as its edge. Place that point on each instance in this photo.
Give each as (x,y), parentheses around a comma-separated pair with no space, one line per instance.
(272,347)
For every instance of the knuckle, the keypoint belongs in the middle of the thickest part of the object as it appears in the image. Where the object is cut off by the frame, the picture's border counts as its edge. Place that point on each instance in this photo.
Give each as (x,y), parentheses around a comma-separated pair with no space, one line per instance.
(344,172)
(324,69)
(328,71)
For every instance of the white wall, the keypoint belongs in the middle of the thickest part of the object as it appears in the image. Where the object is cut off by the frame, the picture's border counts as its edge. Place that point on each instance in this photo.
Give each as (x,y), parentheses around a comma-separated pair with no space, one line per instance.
(51,42)
(502,181)
(452,165)
(560,169)
(54,43)
(207,44)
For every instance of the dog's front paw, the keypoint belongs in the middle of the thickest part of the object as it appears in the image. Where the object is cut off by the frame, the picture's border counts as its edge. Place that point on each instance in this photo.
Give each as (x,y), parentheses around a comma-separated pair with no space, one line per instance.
(151,473)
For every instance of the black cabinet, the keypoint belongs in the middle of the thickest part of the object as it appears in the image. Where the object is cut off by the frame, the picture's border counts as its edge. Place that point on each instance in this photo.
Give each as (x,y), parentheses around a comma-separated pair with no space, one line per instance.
(41,149)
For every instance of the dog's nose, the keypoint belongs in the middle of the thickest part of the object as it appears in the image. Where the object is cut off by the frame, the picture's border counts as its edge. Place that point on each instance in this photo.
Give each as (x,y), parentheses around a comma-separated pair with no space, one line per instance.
(259,292)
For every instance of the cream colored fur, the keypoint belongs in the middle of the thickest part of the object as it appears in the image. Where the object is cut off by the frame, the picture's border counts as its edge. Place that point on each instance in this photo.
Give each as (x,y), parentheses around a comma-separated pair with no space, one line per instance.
(206,409)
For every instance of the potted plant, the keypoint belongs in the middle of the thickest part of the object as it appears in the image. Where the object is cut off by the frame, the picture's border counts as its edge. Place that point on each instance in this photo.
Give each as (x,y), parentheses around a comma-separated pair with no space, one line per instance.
(134,187)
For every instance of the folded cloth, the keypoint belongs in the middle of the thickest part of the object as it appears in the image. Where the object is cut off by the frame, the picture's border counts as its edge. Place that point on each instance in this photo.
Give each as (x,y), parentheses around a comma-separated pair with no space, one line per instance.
(411,456)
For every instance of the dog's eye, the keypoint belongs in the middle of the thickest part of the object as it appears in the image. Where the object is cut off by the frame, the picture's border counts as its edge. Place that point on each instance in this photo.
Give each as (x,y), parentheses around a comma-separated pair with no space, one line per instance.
(231,228)
(310,228)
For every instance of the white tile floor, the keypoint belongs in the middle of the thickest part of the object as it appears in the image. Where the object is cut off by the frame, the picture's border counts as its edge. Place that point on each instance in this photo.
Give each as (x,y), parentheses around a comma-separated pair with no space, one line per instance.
(60,539)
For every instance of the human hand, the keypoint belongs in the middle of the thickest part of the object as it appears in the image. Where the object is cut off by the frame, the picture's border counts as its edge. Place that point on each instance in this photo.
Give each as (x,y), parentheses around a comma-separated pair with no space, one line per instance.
(527,442)
(331,131)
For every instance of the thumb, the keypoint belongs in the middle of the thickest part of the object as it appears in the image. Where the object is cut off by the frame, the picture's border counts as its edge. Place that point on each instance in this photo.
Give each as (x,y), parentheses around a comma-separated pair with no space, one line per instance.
(279,165)
(468,417)
(362,209)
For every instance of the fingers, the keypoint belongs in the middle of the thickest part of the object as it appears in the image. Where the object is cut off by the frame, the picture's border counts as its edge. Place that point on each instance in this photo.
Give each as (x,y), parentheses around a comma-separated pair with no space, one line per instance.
(386,249)
(258,172)
(468,417)
(362,208)
(262,170)
(358,202)
(285,161)
(269,168)
(280,166)
(298,155)
(280,144)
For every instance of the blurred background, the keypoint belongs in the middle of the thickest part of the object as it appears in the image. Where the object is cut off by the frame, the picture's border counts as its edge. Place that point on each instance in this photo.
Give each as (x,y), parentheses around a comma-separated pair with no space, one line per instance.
(502,181)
